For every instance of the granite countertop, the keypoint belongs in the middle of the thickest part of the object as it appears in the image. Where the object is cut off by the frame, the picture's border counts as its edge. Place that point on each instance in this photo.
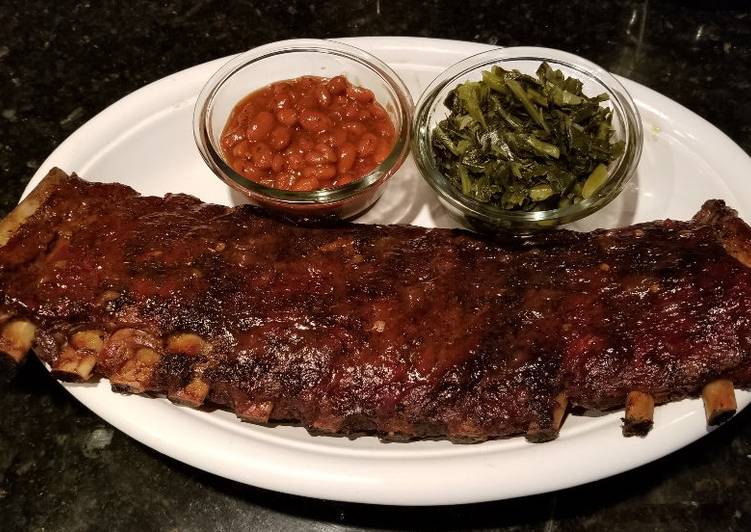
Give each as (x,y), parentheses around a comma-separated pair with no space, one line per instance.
(63,468)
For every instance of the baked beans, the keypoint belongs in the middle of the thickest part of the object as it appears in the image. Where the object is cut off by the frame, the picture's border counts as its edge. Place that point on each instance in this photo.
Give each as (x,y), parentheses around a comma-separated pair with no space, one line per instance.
(307,134)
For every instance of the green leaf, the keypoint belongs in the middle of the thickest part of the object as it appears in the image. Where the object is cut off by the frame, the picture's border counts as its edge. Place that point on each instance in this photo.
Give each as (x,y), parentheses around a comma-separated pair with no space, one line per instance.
(595,181)
(521,95)
(540,192)
(467,94)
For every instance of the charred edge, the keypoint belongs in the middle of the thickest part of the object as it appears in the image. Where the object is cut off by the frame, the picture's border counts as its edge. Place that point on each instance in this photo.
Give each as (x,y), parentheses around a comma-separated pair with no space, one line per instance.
(326,424)
(535,434)
(123,387)
(638,420)
(539,434)
(637,427)
(733,233)
(397,429)
(720,417)
(24,210)
(719,401)
(18,335)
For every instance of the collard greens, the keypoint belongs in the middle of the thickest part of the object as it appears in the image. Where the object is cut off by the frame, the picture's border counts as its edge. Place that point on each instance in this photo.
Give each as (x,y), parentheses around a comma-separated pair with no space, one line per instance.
(525,142)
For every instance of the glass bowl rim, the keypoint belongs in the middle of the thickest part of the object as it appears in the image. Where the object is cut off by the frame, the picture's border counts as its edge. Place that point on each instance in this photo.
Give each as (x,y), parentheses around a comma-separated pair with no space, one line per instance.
(215,161)
(623,106)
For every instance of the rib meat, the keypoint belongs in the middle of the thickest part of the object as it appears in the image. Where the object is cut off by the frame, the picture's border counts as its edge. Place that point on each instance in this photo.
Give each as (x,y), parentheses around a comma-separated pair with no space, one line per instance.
(400,331)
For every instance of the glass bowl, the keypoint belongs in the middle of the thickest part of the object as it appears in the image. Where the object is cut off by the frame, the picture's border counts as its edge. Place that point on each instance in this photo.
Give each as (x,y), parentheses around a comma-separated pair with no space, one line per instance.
(483,217)
(290,59)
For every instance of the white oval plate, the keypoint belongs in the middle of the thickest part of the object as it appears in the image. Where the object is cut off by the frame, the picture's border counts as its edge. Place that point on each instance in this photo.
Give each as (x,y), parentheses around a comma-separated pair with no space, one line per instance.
(145,140)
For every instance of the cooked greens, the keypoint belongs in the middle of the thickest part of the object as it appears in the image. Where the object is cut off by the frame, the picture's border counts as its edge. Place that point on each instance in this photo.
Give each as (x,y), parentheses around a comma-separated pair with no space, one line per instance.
(526,143)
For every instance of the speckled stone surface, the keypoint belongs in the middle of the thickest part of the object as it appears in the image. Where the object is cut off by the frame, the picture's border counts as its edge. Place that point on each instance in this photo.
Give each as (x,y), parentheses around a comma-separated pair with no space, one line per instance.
(62,468)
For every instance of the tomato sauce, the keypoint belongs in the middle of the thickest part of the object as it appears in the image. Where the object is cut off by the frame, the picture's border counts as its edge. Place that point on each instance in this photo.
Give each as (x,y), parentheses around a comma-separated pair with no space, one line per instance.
(307,133)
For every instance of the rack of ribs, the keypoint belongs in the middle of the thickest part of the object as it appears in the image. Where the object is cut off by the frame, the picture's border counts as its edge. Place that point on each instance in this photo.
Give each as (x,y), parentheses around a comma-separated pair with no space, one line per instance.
(400,331)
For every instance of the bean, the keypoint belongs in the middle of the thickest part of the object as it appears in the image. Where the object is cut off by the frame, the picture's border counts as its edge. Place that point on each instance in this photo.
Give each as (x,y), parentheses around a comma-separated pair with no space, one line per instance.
(253,172)
(352,110)
(281,86)
(327,138)
(378,112)
(384,128)
(262,155)
(315,121)
(280,137)
(334,138)
(287,116)
(367,145)
(260,126)
(322,95)
(231,138)
(308,171)
(344,179)
(305,144)
(382,151)
(305,184)
(237,163)
(245,114)
(340,101)
(282,100)
(356,128)
(361,94)
(364,115)
(337,85)
(340,136)
(277,163)
(346,158)
(284,181)
(295,161)
(241,149)
(326,151)
(307,101)
(325,172)
(315,158)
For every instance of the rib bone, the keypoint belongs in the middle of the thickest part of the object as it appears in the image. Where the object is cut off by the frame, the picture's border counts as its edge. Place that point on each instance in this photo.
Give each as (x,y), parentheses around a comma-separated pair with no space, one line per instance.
(73,364)
(538,434)
(719,401)
(134,357)
(194,394)
(640,409)
(92,340)
(16,339)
